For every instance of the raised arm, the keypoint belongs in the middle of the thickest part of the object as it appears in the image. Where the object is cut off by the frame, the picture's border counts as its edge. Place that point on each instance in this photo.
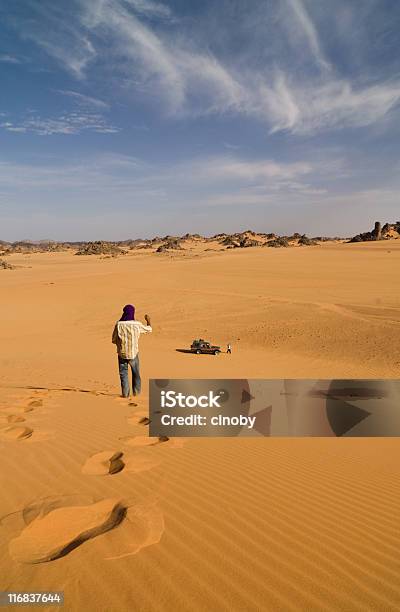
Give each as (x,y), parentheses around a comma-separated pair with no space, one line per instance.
(145,329)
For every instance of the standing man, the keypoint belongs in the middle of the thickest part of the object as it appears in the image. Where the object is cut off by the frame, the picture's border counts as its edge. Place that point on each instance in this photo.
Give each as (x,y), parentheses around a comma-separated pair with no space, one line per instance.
(229,349)
(126,336)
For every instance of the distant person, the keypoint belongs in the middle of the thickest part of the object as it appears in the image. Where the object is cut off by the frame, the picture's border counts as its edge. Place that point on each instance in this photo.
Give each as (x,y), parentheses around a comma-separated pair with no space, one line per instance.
(229,349)
(126,336)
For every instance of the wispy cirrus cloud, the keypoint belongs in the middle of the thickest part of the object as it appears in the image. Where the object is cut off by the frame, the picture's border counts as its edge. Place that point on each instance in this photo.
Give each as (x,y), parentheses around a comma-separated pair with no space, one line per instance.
(309,30)
(68,124)
(233,168)
(328,105)
(9,59)
(84,100)
(75,59)
(166,192)
(131,173)
(262,186)
(149,8)
(192,81)
(288,86)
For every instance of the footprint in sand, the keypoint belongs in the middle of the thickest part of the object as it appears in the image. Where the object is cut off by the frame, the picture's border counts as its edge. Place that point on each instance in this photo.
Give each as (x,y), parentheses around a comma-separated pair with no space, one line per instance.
(106,462)
(111,462)
(141,441)
(55,534)
(35,403)
(139,418)
(17,432)
(15,418)
(133,403)
(32,405)
(143,526)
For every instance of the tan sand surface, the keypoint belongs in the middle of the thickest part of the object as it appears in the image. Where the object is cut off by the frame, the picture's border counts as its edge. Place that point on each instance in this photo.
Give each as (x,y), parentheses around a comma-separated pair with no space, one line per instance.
(201,524)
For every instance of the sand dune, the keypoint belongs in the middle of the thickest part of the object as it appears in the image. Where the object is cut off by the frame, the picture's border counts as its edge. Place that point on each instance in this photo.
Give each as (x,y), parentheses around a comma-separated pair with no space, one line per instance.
(127,522)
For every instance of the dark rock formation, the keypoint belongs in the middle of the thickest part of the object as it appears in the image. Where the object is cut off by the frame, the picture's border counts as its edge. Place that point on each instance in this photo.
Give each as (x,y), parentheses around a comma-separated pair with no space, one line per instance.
(377,231)
(389,230)
(4,265)
(281,241)
(100,248)
(173,244)
(305,241)
(229,241)
(248,242)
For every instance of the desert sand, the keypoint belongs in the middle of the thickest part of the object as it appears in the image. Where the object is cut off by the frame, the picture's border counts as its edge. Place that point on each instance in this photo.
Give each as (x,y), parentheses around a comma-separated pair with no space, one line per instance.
(119,521)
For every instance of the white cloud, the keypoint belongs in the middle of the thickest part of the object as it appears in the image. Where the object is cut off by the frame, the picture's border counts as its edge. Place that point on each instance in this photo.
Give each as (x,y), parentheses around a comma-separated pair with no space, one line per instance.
(9,59)
(68,123)
(224,172)
(299,196)
(277,105)
(310,32)
(150,8)
(11,128)
(64,42)
(181,77)
(231,146)
(338,104)
(226,168)
(192,82)
(145,51)
(84,100)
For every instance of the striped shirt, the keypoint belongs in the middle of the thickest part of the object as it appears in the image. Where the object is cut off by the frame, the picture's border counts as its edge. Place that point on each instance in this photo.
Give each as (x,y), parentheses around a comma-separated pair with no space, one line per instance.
(126,337)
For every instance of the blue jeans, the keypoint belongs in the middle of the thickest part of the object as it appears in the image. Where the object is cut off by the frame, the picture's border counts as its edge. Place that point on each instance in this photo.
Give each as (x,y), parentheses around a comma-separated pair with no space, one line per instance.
(123,374)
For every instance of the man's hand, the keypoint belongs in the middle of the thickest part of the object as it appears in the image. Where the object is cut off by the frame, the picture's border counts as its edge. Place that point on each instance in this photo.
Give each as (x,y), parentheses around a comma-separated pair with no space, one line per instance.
(147,319)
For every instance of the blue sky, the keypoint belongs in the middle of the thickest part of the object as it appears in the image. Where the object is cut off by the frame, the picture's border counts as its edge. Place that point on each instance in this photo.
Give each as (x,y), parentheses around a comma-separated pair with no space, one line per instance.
(128,118)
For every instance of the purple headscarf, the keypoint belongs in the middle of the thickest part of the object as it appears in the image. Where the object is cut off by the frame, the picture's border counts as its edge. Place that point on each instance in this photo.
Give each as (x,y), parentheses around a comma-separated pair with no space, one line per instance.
(128,313)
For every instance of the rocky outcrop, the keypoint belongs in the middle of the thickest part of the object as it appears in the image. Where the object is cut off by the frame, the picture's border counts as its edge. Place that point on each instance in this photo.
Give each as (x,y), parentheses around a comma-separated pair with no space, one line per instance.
(100,248)
(305,241)
(40,246)
(281,241)
(387,232)
(248,242)
(230,242)
(4,265)
(391,230)
(170,244)
(377,231)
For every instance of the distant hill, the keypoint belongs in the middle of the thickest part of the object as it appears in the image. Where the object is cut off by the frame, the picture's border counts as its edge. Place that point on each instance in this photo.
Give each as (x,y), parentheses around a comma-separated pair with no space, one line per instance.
(221,241)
